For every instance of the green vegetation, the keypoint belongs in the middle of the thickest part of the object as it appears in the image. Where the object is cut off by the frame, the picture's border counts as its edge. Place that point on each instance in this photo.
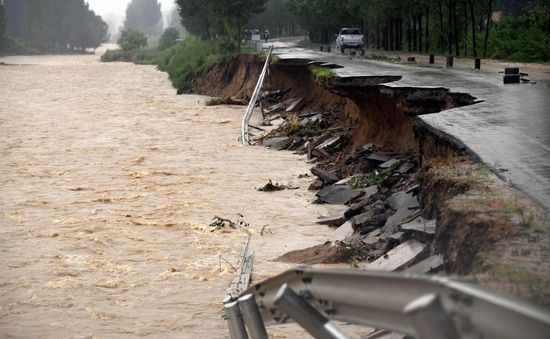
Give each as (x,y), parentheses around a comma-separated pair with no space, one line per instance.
(168,38)
(218,18)
(50,26)
(322,74)
(524,278)
(524,39)
(385,58)
(452,27)
(277,20)
(132,40)
(530,220)
(184,61)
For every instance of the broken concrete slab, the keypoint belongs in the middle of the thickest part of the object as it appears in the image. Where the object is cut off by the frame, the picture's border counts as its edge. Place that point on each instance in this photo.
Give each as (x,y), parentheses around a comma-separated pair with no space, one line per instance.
(326,176)
(329,143)
(403,200)
(401,256)
(333,220)
(346,230)
(294,105)
(338,194)
(430,264)
(398,237)
(357,208)
(388,163)
(391,225)
(278,143)
(379,156)
(384,334)
(420,224)
(405,167)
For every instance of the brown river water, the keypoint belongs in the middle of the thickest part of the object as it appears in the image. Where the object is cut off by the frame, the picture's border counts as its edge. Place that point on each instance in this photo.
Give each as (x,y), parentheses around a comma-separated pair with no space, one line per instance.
(108,181)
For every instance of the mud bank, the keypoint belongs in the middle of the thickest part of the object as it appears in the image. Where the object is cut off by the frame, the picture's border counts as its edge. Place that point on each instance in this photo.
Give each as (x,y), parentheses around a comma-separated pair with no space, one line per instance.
(486,229)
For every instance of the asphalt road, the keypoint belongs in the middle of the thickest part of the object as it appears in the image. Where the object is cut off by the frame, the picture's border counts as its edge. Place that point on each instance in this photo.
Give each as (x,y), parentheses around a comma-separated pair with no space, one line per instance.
(509,129)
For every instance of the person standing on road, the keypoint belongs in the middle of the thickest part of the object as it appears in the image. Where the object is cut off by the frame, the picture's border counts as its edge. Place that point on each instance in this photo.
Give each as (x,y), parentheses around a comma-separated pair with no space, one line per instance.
(266,35)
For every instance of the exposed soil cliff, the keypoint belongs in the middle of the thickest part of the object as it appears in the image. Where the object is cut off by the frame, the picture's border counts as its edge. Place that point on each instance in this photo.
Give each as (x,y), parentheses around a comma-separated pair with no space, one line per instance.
(485,228)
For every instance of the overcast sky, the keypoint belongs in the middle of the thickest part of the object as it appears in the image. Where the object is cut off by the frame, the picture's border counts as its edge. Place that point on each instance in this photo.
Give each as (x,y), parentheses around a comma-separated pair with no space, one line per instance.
(118,7)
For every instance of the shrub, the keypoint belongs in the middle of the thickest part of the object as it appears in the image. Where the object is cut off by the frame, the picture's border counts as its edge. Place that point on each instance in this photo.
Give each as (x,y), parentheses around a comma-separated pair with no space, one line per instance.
(116,55)
(168,38)
(132,40)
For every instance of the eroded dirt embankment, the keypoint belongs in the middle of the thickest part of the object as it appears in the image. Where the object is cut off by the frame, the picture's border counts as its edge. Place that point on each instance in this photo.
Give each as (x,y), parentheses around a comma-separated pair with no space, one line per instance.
(484,227)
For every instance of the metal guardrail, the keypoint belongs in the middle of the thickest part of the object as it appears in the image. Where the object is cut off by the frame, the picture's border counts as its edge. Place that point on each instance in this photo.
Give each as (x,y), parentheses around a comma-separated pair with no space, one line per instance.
(419,306)
(252,103)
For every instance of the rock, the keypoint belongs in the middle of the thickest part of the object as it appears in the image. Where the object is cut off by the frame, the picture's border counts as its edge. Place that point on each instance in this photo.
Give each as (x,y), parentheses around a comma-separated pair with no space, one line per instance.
(278,143)
(430,264)
(338,194)
(399,257)
(389,163)
(316,185)
(326,176)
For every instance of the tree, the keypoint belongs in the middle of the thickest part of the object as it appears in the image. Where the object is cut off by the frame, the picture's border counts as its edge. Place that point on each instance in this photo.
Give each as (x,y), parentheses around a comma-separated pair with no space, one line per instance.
(55,25)
(132,40)
(168,38)
(218,18)
(144,16)
(3,23)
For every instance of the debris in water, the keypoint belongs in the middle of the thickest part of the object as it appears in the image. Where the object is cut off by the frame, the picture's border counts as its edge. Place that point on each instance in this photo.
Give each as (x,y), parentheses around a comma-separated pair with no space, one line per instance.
(219,223)
(270,187)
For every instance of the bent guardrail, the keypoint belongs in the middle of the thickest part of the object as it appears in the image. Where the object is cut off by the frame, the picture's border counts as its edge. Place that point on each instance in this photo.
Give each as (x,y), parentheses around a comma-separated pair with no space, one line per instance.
(254,98)
(419,306)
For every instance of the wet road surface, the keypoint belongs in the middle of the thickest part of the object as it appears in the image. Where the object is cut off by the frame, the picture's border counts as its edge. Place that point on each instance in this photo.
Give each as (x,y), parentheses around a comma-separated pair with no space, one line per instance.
(509,130)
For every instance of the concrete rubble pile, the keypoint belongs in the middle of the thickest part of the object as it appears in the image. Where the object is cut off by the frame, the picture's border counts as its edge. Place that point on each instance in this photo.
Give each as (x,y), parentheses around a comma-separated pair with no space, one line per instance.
(381,223)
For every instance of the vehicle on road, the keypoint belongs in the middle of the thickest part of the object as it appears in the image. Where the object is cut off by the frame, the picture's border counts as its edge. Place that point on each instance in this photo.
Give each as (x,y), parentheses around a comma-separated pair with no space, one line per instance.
(350,38)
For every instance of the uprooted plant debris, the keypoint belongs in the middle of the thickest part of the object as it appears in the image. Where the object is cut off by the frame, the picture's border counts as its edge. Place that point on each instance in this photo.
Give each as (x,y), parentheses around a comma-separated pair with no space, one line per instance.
(218,223)
(272,187)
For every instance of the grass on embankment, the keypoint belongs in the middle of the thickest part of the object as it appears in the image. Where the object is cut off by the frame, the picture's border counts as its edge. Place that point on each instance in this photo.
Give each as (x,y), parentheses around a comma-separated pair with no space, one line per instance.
(183,62)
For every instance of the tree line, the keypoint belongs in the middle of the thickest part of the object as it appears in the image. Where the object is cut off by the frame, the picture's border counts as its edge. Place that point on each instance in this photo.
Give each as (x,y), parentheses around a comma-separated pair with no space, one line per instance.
(218,18)
(454,27)
(54,25)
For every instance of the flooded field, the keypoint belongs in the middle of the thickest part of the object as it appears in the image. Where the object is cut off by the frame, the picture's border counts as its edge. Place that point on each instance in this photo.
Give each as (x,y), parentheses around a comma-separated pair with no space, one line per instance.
(108,181)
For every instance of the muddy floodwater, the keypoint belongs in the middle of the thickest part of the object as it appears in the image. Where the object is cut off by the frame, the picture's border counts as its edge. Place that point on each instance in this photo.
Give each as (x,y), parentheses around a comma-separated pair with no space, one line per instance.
(108,181)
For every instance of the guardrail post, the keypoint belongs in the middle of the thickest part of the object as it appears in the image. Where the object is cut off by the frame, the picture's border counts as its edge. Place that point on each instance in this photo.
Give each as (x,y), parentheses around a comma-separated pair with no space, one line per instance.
(306,315)
(450,61)
(430,319)
(252,317)
(235,321)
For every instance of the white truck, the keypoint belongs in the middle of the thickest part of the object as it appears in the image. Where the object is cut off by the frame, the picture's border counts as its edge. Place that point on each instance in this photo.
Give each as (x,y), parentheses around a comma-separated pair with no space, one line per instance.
(350,38)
